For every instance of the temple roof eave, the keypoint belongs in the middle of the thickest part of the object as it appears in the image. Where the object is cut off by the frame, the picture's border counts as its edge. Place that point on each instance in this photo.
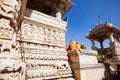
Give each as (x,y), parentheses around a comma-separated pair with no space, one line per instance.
(103,33)
(70,4)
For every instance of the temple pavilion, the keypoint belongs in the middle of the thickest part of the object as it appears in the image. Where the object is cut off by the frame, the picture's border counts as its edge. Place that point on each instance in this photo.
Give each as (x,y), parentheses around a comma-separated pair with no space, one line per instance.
(103,33)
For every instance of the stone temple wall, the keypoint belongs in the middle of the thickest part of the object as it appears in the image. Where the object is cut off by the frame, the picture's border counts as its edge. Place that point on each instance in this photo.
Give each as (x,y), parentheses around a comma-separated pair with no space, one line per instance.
(33,49)
(42,47)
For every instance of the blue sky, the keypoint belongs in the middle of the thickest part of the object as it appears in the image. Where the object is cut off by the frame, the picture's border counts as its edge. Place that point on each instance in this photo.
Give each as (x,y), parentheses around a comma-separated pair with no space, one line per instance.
(83,16)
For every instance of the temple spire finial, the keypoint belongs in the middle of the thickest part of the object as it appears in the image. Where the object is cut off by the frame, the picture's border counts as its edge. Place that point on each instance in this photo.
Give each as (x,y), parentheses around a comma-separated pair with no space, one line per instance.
(100,21)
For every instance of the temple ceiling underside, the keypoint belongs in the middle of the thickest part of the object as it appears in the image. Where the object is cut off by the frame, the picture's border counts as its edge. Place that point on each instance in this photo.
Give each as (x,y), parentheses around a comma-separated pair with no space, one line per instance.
(50,6)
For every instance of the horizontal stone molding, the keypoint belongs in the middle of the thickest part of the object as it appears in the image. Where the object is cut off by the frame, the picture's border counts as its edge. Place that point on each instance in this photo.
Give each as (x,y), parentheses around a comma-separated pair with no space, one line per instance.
(88,52)
(78,66)
(91,66)
(82,52)
(6,33)
(45,57)
(39,43)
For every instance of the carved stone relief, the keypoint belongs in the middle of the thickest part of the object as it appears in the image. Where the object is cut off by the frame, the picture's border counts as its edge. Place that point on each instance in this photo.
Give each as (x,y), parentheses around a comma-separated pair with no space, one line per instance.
(9,9)
(42,34)
(53,38)
(40,37)
(45,54)
(10,67)
(42,61)
(6,30)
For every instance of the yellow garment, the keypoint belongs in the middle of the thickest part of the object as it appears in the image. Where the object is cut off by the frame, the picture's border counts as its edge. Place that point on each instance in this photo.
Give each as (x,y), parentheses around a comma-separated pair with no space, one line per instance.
(78,46)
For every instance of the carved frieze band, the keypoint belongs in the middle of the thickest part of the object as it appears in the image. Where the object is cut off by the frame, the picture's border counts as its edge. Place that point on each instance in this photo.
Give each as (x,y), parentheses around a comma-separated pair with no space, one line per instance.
(45,57)
(44,51)
(46,61)
(42,34)
(47,68)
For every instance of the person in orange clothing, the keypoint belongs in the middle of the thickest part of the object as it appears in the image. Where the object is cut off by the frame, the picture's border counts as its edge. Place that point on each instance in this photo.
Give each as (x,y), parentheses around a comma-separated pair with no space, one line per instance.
(72,45)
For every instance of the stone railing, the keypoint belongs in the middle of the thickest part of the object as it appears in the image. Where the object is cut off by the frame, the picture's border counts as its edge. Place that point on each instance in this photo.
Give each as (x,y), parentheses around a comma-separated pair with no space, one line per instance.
(46,19)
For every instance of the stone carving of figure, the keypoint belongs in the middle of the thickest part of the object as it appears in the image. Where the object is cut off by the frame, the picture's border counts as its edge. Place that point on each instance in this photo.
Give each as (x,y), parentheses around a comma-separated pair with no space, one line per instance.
(9,64)
(9,10)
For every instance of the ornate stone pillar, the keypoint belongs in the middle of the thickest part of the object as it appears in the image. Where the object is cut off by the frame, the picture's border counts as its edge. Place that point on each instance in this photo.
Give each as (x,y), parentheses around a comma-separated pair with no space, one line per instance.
(58,15)
(101,44)
(111,37)
(93,44)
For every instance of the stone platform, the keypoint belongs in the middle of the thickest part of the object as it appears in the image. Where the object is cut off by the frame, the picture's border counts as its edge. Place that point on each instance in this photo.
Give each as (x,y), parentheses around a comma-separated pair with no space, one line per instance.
(85,65)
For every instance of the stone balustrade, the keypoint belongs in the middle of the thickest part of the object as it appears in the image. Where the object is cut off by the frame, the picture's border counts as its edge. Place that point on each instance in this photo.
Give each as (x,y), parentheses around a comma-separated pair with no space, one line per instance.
(45,19)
